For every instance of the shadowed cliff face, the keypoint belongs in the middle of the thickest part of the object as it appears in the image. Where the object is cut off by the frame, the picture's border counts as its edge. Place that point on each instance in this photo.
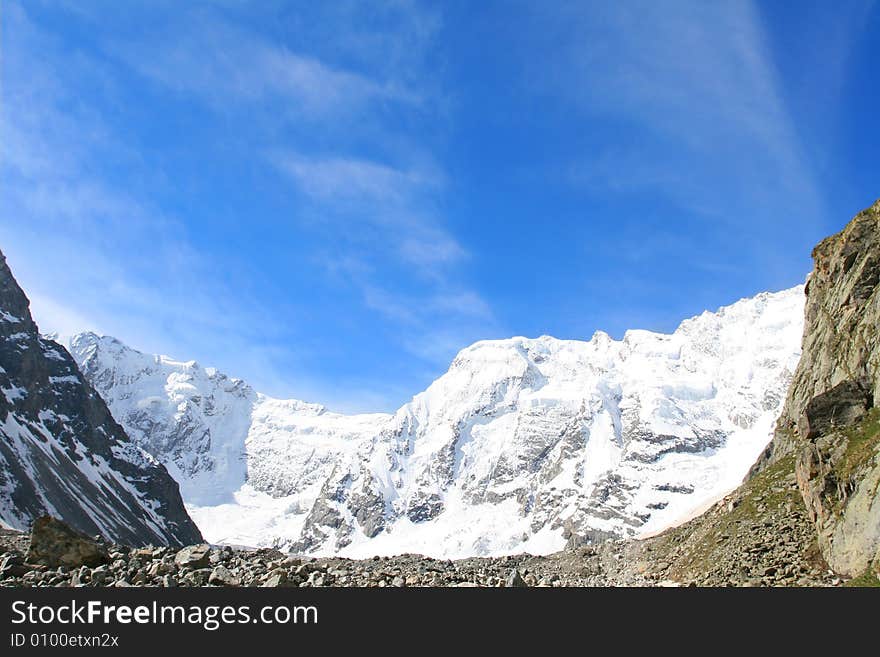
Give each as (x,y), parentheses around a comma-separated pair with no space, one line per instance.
(829,422)
(61,452)
(840,346)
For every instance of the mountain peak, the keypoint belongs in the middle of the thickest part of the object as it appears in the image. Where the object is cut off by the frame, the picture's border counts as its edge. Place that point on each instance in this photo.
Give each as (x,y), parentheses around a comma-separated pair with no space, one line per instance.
(520,445)
(62,453)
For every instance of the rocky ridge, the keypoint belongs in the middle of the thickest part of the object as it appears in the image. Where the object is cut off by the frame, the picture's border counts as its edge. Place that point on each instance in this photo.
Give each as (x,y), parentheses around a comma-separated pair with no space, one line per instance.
(61,451)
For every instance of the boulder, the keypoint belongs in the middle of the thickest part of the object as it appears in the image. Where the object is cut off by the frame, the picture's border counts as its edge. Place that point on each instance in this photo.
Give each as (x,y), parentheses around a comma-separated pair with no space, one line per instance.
(194,556)
(222,576)
(514,580)
(55,544)
(278,580)
(12,566)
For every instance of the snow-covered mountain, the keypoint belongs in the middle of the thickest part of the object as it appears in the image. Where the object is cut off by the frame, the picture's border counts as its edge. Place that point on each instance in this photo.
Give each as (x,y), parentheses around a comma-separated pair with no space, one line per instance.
(522,444)
(62,453)
(195,420)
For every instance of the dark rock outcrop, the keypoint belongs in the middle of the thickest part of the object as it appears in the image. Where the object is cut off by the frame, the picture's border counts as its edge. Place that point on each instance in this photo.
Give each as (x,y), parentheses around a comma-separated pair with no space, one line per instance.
(63,454)
(842,406)
(55,544)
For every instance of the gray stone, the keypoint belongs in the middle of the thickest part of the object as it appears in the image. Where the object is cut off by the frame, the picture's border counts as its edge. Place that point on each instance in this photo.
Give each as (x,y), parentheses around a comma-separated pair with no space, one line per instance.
(12,566)
(194,556)
(222,576)
(514,580)
(200,576)
(278,580)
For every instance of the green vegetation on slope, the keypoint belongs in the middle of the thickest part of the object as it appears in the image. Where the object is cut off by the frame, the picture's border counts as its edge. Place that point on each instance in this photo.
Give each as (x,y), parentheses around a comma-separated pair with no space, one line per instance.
(866,579)
(759,535)
(863,442)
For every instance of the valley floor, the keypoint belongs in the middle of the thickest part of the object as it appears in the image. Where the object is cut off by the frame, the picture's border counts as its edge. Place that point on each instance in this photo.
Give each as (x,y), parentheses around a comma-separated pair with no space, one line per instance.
(758,536)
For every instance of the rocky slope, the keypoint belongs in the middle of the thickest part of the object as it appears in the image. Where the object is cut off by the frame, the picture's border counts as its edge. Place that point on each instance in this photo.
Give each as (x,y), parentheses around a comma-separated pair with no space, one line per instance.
(759,535)
(24,562)
(810,504)
(61,451)
(523,445)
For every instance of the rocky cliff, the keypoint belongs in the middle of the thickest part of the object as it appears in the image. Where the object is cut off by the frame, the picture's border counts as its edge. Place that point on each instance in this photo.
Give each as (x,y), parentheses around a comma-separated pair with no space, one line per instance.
(829,423)
(809,508)
(836,379)
(61,451)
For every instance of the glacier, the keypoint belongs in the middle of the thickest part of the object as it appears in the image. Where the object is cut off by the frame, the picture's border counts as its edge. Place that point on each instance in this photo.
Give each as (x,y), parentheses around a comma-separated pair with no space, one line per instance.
(521,446)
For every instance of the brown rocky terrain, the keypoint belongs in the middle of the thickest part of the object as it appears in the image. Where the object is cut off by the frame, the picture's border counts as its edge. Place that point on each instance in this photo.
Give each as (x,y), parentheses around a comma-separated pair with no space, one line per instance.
(779,559)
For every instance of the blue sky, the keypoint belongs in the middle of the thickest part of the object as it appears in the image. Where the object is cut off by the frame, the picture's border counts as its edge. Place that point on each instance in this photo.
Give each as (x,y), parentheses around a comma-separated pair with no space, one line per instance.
(331,199)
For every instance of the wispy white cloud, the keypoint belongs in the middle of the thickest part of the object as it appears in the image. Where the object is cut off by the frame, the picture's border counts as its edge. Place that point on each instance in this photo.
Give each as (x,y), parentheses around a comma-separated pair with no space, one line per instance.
(435,326)
(431,248)
(700,82)
(228,65)
(379,211)
(337,179)
(54,316)
(439,345)
(462,304)
(397,205)
(689,114)
(91,255)
(74,193)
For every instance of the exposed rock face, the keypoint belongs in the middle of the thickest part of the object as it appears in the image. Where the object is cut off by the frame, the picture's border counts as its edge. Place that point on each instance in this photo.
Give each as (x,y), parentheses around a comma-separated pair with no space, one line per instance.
(842,406)
(63,454)
(829,422)
(841,343)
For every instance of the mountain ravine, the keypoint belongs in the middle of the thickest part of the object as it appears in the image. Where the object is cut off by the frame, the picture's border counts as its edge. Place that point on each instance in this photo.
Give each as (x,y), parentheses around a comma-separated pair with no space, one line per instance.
(62,453)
